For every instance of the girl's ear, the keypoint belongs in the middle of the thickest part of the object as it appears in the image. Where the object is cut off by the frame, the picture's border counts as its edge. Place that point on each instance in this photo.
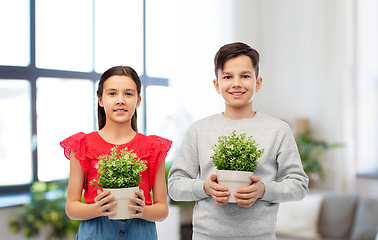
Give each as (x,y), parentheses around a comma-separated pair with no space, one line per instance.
(100,102)
(139,101)
(216,85)
(258,83)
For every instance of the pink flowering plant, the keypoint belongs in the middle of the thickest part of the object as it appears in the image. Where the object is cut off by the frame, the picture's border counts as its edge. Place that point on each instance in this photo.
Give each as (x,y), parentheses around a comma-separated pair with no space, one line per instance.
(236,153)
(120,169)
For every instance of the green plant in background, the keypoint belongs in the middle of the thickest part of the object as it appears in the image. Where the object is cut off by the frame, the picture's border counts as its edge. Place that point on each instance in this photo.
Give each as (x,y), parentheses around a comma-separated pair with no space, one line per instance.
(45,211)
(236,152)
(309,151)
(120,169)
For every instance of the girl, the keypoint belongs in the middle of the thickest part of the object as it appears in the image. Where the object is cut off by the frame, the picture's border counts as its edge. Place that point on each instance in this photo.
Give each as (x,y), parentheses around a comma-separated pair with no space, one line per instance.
(118,98)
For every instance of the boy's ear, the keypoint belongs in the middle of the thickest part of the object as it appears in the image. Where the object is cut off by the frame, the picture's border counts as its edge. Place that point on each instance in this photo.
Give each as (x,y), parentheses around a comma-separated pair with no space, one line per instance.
(216,85)
(258,83)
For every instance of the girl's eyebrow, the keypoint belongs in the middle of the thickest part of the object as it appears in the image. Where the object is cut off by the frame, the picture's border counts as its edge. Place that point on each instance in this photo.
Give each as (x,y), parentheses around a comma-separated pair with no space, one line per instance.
(127,89)
(110,89)
(130,90)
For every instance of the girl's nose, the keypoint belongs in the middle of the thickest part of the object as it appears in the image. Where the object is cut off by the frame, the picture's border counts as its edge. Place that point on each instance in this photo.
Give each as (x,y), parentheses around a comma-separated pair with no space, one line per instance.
(120,100)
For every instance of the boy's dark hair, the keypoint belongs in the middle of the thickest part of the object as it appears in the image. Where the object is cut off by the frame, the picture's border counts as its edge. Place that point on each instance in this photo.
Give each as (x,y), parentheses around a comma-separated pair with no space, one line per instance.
(119,71)
(233,50)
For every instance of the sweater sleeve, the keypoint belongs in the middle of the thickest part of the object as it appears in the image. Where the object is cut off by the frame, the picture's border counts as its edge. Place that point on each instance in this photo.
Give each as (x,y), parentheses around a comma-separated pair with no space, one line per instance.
(292,182)
(183,181)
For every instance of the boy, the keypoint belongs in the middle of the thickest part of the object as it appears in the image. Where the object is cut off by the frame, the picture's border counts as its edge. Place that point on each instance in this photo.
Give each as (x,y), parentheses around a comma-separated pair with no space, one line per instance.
(279,177)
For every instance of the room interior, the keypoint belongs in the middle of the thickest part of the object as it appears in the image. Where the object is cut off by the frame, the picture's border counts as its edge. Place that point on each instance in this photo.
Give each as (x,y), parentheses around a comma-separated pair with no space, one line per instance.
(315,58)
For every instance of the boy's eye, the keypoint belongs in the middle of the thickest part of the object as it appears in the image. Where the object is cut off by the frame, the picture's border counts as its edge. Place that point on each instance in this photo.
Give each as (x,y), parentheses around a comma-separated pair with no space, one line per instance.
(245,76)
(129,94)
(227,77)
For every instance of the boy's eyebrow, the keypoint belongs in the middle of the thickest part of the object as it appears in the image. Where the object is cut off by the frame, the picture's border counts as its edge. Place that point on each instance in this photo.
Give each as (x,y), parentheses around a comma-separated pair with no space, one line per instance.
(244,72)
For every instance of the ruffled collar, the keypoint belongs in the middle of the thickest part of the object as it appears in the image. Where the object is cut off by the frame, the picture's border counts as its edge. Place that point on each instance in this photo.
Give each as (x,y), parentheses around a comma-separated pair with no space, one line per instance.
(139,145)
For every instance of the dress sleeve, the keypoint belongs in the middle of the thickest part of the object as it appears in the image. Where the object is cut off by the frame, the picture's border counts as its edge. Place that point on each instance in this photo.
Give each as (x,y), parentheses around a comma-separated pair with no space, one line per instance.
(159,148)
(79,144)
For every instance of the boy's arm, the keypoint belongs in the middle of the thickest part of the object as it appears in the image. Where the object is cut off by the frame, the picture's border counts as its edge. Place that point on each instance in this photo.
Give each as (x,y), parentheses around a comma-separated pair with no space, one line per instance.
(291,182)
(183,181)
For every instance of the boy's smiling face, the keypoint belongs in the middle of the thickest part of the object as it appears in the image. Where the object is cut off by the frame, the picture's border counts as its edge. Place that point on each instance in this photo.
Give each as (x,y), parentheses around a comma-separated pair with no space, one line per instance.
(237,84)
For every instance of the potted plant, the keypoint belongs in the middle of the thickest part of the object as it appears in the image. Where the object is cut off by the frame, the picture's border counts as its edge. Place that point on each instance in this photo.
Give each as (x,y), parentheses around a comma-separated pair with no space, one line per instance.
(309,150)
(235,158)
(45,210)
(120,172)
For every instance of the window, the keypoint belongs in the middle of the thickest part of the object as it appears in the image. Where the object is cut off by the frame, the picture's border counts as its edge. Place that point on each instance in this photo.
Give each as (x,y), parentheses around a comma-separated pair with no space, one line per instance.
(64,107)
(15,132)
(367,88)
(118,34)
(15,22)
(64,35)
(49,70)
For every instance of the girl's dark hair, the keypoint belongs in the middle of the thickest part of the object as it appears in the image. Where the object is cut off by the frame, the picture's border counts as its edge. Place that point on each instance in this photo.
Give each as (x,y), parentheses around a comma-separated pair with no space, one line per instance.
(233,50)
(119,71)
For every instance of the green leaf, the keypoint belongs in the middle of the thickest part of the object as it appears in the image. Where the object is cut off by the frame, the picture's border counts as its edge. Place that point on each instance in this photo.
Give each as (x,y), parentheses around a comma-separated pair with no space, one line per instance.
(120,169)
(236,152)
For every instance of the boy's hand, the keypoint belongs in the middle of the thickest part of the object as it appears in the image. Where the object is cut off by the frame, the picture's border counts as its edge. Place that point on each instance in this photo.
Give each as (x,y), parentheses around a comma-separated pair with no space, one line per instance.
(101,203)
(217,192)
(247,196)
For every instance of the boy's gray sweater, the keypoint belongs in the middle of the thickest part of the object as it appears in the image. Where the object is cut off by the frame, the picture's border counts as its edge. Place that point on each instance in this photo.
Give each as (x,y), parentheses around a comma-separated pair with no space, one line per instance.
(279,168)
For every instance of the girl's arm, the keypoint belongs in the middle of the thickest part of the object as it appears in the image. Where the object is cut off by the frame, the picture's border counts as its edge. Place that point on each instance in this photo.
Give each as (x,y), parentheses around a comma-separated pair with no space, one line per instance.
(158,211)
(77,210)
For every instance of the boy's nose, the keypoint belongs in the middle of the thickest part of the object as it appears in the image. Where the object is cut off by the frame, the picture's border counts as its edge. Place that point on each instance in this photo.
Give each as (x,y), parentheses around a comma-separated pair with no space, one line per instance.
(236,83)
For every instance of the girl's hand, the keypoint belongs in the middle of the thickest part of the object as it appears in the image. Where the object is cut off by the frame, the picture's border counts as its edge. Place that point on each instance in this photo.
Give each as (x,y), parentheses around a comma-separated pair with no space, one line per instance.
(248,196)
(140,204)
(101,203)
(217,192)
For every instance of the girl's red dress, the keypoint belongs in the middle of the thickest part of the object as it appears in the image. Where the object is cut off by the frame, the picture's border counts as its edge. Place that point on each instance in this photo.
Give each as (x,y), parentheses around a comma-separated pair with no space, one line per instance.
(88,147)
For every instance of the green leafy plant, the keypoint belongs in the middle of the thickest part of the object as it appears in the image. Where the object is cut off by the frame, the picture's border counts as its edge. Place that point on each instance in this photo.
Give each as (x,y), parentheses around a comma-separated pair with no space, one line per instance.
(45,209)
(236,152)
(309,150)
(120,169)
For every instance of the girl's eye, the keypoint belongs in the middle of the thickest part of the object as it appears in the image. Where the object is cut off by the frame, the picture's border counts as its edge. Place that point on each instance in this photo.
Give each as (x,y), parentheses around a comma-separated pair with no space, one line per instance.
(111,93)
(129,94)
(227,77)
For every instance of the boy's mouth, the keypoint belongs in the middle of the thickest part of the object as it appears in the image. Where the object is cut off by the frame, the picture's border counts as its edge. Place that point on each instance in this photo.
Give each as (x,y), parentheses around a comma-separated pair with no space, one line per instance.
(237,93)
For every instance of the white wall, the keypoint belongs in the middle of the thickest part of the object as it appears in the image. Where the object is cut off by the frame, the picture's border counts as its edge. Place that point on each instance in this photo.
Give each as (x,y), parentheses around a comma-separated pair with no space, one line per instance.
(306,52)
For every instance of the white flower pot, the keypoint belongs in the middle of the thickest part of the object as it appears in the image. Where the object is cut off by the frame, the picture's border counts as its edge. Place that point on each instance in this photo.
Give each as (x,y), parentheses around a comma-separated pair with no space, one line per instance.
(234,180)
(122,196)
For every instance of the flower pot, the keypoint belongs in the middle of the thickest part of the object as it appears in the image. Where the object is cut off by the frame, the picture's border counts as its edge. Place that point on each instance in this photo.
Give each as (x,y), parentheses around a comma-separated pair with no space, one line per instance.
(122,196)
(233,180)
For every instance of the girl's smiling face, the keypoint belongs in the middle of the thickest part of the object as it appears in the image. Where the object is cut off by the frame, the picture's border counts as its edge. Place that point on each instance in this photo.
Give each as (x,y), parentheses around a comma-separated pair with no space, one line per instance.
(237,84)
(119,99)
